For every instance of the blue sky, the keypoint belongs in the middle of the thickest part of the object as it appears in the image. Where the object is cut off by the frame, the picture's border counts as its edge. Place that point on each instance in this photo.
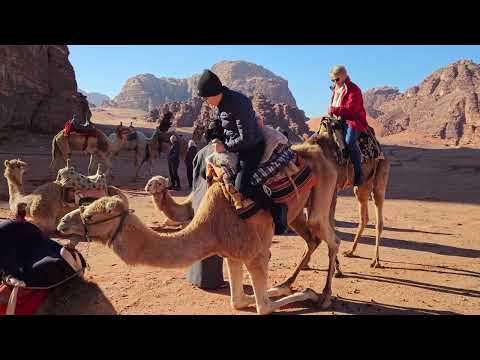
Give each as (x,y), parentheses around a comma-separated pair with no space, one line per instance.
(105,68)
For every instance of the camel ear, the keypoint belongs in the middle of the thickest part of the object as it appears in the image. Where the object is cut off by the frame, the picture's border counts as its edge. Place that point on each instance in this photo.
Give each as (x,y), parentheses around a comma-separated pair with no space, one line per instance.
(82,209)
(6,163)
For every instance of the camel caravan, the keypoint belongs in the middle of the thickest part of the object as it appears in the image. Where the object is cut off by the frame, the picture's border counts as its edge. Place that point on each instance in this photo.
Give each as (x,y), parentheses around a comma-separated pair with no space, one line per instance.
(299,177)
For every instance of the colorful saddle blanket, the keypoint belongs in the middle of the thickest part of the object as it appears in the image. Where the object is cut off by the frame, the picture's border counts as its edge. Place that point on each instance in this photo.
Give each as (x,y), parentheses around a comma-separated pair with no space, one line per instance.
(79,189)
(30,260)
(367,142)
(70,129)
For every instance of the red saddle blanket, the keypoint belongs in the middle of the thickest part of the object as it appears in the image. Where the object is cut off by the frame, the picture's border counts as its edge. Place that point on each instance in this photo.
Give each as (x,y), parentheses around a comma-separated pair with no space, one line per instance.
(70,130)
(28,301)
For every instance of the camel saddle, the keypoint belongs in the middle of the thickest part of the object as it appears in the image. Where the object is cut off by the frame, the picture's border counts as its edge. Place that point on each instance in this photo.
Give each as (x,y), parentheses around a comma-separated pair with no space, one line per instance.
(87,131)
(367,142)
(281,173)
(79,189)
(30,265)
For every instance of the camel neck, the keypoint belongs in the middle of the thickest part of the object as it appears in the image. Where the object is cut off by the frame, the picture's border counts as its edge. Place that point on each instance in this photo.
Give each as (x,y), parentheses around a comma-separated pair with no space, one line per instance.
(165,203)
(15,188)
(136,244)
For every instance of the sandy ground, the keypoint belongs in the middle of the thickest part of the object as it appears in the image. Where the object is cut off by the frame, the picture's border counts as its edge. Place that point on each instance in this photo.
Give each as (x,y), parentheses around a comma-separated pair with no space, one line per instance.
(430,245)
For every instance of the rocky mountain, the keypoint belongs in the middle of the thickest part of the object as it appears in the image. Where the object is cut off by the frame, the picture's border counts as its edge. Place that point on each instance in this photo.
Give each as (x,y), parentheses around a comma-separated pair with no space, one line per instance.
(445,105)
(374,98)
(280,115)
(95,98)
(38,90)
(146,91)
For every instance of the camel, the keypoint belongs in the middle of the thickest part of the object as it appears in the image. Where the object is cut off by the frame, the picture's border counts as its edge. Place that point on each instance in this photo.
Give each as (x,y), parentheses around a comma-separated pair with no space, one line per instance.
(45,205)
(377,173)
(198,135)
(177,214)
(109,221)
(100,147)
(223,230)
(145,149)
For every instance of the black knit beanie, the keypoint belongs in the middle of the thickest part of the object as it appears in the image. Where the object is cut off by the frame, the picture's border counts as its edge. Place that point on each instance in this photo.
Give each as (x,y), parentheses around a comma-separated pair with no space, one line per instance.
(209,84)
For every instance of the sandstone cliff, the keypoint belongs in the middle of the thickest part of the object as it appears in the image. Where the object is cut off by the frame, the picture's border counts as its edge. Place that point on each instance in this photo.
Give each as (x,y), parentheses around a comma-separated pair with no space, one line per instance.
(38,90)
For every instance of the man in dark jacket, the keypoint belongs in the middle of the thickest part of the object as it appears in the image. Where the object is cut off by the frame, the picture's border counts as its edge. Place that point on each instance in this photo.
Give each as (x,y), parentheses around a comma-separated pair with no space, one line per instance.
(244,136)
(173,163)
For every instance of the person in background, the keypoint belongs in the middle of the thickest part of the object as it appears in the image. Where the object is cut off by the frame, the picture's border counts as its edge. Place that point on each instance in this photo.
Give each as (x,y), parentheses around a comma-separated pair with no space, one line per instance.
(191,152)
(173,163)
(347,102)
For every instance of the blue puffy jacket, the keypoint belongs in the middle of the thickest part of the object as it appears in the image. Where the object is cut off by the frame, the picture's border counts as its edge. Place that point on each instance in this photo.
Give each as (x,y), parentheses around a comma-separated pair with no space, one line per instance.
(239,121)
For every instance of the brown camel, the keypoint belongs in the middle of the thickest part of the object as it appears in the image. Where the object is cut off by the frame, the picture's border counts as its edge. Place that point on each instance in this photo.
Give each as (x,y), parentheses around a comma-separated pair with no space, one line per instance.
(99,146)
(45,205)
(224,229)
(376,172)
(177,214)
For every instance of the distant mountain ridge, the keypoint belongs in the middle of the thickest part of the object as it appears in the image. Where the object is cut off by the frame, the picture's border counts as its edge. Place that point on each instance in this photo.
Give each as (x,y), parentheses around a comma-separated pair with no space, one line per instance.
(146,91)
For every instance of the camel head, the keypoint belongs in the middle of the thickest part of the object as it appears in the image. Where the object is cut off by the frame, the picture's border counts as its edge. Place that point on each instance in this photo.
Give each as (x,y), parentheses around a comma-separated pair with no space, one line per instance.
(157,185)
(15,168)
(101,219)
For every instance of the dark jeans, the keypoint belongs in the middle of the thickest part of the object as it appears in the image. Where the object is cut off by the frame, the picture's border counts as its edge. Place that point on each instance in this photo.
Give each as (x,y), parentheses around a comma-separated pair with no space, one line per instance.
(249,161)
(173,170)
(351,137)
(190,174)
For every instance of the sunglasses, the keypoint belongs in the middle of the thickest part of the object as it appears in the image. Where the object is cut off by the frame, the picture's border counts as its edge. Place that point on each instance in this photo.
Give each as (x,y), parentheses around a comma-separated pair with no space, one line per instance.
(335,80)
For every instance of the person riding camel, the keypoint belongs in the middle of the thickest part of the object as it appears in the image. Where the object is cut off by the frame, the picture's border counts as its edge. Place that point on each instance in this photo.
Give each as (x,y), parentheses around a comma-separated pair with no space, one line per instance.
(244,136)
(347,103)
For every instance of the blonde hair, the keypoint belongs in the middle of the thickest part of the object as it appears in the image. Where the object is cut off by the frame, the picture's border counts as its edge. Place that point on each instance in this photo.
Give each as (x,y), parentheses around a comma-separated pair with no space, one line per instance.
(338,69)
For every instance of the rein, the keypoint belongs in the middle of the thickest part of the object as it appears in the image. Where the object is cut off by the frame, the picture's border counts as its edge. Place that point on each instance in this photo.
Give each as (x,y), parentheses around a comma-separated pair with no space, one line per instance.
(123,216)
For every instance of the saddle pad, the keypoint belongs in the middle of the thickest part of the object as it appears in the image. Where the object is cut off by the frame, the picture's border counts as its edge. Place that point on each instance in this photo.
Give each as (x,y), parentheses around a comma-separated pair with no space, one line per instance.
(282,191)
(28,301)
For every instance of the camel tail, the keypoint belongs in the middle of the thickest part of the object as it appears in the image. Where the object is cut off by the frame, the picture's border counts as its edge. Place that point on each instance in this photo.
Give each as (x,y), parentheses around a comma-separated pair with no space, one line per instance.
(55,152)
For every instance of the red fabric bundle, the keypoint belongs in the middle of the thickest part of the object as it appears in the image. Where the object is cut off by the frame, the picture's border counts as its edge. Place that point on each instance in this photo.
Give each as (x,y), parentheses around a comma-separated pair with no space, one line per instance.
(28,301)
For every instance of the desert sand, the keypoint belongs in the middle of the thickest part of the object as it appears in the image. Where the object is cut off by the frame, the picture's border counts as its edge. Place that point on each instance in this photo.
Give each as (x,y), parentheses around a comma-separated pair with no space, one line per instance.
(430,247)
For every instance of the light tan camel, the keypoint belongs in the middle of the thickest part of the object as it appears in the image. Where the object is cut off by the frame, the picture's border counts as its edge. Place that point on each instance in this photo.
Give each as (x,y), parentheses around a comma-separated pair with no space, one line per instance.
(226,229)
(205,236)
(100,147)
(146,149)
(45,205)
(376,173)
(177,213)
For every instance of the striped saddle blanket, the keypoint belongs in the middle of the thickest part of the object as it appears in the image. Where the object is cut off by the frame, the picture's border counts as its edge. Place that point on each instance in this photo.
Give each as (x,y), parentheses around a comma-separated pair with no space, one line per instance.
(282,187)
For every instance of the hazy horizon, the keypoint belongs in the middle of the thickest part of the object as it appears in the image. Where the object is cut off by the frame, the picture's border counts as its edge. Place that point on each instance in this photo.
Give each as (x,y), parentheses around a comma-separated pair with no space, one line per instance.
(105,68)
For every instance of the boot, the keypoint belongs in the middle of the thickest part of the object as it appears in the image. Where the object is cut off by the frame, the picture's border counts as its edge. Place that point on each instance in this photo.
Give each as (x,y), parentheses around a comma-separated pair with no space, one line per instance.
(279,213)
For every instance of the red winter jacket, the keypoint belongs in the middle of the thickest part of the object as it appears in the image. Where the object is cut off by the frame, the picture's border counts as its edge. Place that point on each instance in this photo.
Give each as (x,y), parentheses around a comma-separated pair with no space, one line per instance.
(351,107)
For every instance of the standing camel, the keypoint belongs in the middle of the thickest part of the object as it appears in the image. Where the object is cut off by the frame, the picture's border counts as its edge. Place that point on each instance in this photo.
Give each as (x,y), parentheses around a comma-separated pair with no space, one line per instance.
(146,149)
(376,172)
(98,146)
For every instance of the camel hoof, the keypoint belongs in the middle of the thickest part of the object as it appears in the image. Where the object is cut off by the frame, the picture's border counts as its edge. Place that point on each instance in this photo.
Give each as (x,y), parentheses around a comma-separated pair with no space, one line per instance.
(348,253)
(324,301)
(306,268)
(338,274)
(281,291)
(376,264)
(312,295)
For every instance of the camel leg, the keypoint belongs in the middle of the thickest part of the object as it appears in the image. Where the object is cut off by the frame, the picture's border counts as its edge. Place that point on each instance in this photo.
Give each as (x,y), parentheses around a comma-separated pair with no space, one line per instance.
(238,298)
(362,198)
(320,225)
(90,164)
(311,242)
(258,274)
(379,190)
(333,207)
